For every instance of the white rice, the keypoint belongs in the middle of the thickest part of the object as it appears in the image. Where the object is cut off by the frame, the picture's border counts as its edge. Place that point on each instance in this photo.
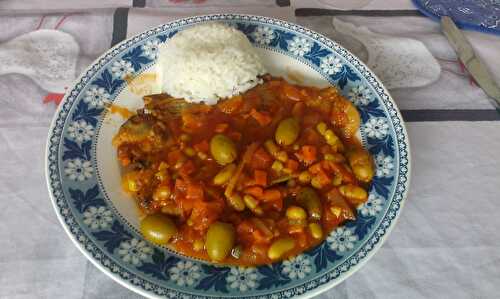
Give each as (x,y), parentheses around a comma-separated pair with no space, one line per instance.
(207,62)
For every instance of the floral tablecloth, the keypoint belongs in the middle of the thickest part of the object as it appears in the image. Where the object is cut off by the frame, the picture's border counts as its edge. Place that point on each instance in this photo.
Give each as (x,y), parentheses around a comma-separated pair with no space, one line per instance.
(447,242)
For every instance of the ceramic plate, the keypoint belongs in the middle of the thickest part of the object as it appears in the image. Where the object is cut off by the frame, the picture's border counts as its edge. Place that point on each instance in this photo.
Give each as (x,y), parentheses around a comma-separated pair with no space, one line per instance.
(83,174)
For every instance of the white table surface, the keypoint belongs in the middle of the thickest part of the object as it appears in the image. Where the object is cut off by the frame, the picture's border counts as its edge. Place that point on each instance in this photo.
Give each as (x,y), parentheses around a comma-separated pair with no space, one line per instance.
(445,245)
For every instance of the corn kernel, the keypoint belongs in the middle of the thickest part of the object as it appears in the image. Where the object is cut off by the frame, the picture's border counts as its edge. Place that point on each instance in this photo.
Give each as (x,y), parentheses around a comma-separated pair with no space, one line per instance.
(316,230)
(329,157)
(296,213)
(277,166)
(132,185)
(337,180)
(271,147)
(198,245)
(236,202)
(331,138)
(224,175)
(336,211)
(202,155)
(321,127)
(282,156)
(304,177)
(185,137)
(189,151)
(250,201)
(315,182)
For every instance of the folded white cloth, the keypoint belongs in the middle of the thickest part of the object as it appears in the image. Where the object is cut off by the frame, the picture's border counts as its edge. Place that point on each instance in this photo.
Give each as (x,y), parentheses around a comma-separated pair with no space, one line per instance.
(355,4)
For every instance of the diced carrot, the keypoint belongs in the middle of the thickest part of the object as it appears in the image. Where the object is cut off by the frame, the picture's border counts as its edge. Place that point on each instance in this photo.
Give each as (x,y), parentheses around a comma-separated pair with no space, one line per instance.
(185,205)
(255,191)
(292,165)
(205,213)
(194,192)
(295,229)
(234,135)
(298,109)
(292,92)
(187,168)
(220,128)
(261,117)
(173,157)
(339,169)
(194,121)
(231,105)
(180,185)
(309,154)
(323,178)
(202,146)
(271,195)
(259,237)
(261,159)
(301,238)
(315,168)
(276,204)
(260,177)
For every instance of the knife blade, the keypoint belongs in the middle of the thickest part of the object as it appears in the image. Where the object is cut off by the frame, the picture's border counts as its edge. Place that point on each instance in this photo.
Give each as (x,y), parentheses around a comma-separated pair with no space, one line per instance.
(471,61)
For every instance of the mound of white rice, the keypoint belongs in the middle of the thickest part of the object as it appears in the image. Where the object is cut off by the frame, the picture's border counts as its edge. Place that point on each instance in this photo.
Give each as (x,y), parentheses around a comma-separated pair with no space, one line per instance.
(207,62)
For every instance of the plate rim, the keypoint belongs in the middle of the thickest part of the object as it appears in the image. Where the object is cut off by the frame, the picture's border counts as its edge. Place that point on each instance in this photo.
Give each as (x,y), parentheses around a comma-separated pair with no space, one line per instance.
(320,288)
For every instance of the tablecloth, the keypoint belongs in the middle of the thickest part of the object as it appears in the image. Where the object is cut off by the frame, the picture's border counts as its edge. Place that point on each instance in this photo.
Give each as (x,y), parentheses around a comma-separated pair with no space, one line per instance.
(446,243)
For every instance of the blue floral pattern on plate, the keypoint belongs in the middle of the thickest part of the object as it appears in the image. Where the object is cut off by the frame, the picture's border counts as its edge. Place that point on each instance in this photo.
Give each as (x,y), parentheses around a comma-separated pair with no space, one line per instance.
(481,15)
(117,248)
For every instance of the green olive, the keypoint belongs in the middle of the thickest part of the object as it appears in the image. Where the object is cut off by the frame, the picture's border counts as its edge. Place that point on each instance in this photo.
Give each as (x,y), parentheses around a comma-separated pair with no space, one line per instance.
(308,198)
(158,228)
(223,149)
(220,240)
(287,132)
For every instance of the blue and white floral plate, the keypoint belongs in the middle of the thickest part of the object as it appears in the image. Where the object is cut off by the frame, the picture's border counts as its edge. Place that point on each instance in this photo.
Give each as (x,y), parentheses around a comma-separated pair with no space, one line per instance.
(83,175)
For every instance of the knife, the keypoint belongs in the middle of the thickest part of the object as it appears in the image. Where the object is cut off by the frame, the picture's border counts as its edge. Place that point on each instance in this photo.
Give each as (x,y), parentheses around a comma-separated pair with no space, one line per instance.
(472,62)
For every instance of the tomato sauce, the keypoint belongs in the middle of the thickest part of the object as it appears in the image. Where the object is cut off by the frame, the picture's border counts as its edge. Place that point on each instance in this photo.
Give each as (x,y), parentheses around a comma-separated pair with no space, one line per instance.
(287,144)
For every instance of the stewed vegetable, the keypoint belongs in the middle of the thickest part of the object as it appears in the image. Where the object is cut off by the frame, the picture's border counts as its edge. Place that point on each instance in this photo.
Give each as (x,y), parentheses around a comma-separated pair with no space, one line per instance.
(254,179)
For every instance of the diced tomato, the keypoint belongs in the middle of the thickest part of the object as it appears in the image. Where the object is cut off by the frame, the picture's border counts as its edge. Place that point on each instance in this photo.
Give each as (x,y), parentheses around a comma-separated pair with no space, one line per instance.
(220,128)
(255,191)
(174,156)
(276,204)
(271,195)
(261,159)
(262,118)
(187,168)
(234,135)
(324,179)
(301,238)
(202,146)
(205,213)
(259,237)
(309,154)
(292,165)
(292,92)
(260,177)
(194,191)
(298,109)
(340,169)
(315,168)
(232,105)
(180,185)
